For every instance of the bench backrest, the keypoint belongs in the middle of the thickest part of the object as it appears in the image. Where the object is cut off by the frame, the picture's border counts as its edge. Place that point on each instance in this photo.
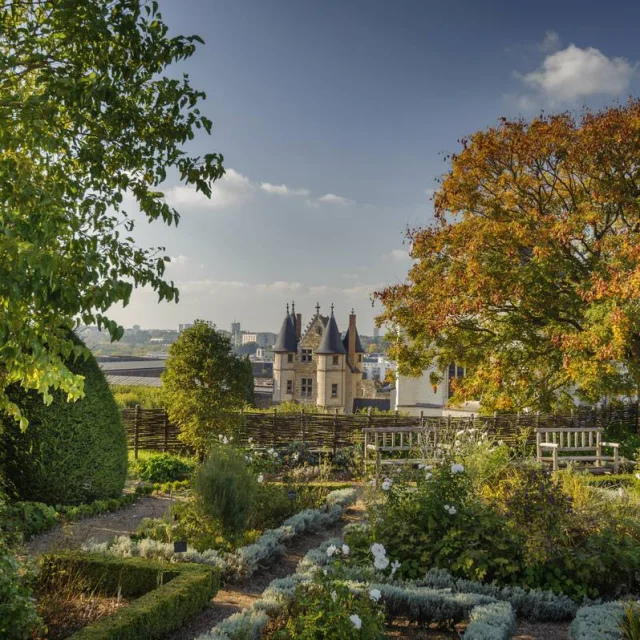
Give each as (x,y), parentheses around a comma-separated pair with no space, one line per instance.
(571,439)
(401,438)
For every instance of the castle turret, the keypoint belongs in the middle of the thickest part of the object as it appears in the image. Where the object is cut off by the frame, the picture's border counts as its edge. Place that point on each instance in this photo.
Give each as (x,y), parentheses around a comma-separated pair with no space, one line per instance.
(331,367)
(284,355)
(354,350)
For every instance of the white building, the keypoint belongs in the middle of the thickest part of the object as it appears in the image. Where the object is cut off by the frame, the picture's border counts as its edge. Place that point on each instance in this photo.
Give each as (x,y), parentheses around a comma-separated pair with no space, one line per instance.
(376,367)
(417,395)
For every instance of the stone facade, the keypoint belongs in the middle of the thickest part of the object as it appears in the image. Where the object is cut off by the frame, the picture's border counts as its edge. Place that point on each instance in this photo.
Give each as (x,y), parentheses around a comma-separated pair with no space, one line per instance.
(317,366)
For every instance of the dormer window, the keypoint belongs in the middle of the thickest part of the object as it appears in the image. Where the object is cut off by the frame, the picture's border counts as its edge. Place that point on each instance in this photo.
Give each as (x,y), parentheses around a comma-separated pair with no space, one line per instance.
(336,360)
(290,357)
(306,355)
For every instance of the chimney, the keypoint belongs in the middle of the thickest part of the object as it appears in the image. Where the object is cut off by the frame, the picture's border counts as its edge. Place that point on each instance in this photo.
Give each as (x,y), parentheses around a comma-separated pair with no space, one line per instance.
(298,326)
(352,339)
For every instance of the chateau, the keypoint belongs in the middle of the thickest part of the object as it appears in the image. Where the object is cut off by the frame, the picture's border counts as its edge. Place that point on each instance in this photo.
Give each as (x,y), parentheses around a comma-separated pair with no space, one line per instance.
(318,366)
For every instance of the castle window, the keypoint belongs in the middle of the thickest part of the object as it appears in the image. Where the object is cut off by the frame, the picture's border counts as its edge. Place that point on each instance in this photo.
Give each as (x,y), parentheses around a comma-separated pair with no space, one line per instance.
(306,388)
(307,355)
(334,390)
(290,357)
(336,359)
(455,372)
(359,357)
(289,386)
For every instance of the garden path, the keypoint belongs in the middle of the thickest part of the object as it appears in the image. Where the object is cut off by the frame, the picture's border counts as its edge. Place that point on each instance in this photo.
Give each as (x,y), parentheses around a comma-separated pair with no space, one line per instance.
(241,595)
(72,535)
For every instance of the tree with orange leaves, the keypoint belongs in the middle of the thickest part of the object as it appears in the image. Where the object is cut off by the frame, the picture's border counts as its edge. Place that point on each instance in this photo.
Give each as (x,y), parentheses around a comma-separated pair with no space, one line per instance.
(530,274)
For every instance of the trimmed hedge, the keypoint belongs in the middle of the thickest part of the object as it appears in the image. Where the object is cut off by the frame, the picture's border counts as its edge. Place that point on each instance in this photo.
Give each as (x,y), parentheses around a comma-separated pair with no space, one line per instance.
(71,452)
(598,622)
(167,595)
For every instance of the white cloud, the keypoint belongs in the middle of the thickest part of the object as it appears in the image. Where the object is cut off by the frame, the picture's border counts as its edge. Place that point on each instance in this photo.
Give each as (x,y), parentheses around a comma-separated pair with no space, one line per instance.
(332,198)
(550,43)
(283,190)
(280,286)
(232,189)
(179,259)
(397,255)
(349,276)
(574,73)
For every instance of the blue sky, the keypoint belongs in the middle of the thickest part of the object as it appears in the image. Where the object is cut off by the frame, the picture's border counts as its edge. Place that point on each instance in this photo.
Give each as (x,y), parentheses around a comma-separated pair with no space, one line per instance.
(334,117)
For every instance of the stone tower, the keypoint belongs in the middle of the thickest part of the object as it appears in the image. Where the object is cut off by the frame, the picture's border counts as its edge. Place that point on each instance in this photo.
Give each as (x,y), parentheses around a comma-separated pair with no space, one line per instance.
(331,368)
(284,362)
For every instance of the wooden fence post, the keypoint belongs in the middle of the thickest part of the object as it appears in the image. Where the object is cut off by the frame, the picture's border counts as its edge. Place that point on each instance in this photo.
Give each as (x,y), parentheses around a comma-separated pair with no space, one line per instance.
(395,418)
(165,420)
(335,431)
(422,418)
(275,426)
(303,432)
(136,435)
(242,422)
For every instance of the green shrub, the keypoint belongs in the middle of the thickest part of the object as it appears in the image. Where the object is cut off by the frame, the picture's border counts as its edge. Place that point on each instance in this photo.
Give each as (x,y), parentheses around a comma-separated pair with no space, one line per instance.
(129,396)
(163,467)
(630,625)
(32,518)
(71,452)
(598,622)
(225,489)
(329,610)
(18,614)
(625,436)
(167,595)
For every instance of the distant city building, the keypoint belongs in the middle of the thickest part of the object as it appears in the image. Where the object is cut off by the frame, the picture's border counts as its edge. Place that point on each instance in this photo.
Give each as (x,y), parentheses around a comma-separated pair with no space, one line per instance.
(375,367)
(188,325)
(236,334)
(262,339)
(376,332)
(318,366)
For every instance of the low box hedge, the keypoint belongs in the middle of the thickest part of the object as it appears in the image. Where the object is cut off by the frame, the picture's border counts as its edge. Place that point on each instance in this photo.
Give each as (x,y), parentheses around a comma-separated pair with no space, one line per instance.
(167,595)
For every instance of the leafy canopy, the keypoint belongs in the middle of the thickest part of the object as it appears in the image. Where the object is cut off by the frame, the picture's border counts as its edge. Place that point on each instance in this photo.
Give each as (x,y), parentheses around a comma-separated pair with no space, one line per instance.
(530,274)
(204,384)
(89,129)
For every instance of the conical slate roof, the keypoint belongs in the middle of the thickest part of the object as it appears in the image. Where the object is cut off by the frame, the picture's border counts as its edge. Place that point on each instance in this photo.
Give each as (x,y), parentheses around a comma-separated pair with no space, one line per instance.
(331,341)
(286,341)
(345,342)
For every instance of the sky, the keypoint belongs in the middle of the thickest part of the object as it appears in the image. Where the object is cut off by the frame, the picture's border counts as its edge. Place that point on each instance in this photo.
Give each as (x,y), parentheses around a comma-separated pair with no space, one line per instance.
(334,119)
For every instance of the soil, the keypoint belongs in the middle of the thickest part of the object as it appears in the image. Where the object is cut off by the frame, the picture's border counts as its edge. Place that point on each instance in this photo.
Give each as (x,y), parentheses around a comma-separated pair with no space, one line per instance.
(243,594)
(72,535)
(542,631)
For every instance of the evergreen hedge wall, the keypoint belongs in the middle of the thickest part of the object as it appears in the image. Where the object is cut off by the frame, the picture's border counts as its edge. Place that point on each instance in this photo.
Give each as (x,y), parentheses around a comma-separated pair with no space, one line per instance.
(71,452)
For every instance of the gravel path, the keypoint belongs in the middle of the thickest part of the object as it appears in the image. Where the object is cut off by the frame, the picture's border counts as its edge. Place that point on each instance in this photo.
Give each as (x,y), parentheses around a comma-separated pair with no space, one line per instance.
(241,595)
(72,535)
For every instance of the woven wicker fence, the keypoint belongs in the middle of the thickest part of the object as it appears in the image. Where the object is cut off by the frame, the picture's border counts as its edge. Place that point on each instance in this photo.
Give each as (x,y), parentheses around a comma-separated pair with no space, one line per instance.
(150,428)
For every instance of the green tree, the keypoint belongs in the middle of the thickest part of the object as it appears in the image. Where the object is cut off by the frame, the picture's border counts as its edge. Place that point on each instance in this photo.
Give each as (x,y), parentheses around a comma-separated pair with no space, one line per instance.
(205,385)
(90,128)
(530,275)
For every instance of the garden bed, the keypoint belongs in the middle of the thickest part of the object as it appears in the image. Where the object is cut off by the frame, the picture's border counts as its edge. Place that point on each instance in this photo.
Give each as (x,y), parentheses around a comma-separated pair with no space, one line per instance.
(158,598)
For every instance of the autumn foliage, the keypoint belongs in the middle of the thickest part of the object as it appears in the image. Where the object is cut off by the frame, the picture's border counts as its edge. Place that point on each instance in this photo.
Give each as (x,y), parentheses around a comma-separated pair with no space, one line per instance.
(530,274)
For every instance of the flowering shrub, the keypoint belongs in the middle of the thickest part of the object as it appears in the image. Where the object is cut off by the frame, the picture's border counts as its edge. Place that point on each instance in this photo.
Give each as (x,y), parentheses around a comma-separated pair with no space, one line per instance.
(440,523)
(326,609)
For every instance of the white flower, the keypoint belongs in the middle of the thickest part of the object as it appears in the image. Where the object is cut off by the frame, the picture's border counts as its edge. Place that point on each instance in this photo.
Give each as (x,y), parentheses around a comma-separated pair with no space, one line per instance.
(620,491)
(345,549)
(386,485)
(260,478)
(375,594)
(230,438)
(248,459)
(457,468)
(637,476)
(381,562)
(225,440)
(325,571)
(220,436)
(378,550)
(446,507)
(452,511)
(395,565)
(457,443)
(250,440)
(355,618)
(500,443)
(372,447)
(460,432)
(331,550)
(421,466)
(334,596)
(295,456)
(428,475)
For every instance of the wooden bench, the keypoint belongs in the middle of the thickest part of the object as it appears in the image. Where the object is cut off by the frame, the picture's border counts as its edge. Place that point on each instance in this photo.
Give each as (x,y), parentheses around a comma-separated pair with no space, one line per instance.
(583,445)
(418,443)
